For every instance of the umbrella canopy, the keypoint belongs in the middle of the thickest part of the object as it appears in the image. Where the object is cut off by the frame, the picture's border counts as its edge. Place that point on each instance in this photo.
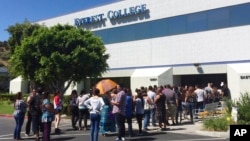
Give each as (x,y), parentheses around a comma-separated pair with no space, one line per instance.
(106,85)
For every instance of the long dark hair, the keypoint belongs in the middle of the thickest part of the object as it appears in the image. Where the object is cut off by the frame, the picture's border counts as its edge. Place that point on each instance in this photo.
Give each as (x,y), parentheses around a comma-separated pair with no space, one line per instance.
(19,96)
(140,96)
(45,95)
(73,92)
(83,91)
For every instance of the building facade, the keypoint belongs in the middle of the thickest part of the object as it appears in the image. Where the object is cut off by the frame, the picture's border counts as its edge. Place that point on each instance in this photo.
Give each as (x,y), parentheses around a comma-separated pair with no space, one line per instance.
(177,42)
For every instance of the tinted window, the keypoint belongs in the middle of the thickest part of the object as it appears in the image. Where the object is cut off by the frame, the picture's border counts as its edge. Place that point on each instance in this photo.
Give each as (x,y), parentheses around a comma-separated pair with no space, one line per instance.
(240,15)
(218,18)
(197,22)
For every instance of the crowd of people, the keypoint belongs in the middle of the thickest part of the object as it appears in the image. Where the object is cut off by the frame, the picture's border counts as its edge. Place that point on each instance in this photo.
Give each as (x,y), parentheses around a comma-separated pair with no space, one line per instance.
(149,106)
(41,112)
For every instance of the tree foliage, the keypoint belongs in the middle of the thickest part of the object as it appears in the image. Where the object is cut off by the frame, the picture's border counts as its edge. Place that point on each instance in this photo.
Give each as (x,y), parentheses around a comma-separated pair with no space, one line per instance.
(59,54)
(4,54)
(18,32)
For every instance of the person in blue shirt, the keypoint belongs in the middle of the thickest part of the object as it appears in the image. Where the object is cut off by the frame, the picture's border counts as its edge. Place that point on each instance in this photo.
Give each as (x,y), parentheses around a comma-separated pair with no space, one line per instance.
(47,116)
(129,110)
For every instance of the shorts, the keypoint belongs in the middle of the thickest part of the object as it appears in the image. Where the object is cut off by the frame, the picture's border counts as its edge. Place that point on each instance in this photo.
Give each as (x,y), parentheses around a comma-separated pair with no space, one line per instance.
(58,111)
(171,111)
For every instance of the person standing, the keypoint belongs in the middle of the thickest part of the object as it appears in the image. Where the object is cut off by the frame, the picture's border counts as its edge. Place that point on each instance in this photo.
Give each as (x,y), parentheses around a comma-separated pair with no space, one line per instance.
(119,109)
(36,113)
(82,109)
(225,91)
(172,103)
(29,120)
(19,112)
(160,108)
(147,108)
(107,123)
(200,93)
(58,109)
(191,100)
(151,94)
(129,111)
(95,105)
(139,110)
(47,116)
(74,109)
(179,109)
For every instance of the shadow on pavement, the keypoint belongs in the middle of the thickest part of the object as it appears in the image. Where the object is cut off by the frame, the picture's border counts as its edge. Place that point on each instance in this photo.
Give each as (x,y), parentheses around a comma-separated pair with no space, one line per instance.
(63,139)
(144,139)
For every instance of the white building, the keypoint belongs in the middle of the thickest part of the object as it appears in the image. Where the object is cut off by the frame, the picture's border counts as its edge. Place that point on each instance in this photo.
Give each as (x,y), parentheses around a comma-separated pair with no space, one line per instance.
(181,42)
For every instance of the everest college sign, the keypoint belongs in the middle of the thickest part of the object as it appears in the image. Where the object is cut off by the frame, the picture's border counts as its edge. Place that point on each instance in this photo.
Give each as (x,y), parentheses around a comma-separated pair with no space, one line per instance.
(111,15)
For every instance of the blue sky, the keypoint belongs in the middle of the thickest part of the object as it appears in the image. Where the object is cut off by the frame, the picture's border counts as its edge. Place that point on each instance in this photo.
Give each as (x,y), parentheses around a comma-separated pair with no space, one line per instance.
(16,11)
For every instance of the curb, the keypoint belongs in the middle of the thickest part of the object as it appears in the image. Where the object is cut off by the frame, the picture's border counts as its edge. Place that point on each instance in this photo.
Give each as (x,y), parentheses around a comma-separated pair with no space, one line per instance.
(214,134)
(10,116)
(4,115)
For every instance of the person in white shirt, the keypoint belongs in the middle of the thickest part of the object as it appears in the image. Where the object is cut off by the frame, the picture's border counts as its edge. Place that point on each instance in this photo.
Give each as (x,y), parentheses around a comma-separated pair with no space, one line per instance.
(83,110)
(152,95)
(95,105)
(200,93)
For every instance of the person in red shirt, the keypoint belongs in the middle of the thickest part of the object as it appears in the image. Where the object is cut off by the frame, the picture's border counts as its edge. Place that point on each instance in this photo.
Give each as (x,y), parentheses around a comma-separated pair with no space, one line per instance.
(58,109)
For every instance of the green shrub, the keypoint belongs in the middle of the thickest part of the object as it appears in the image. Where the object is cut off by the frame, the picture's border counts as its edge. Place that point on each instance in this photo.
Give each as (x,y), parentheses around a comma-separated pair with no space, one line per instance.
(7,100)
(243,106)
(217,124)
(222,123)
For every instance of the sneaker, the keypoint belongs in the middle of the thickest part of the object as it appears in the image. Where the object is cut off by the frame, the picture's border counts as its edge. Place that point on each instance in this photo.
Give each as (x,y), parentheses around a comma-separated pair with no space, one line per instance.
(57,131)
(26,135)
(117,139)
(123,139)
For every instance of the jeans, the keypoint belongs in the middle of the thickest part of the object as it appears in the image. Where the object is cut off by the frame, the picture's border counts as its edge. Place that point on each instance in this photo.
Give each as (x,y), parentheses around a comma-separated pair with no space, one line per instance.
(146,118)
(200,106)
(130,128)
(83,114)
(178,113)
(120,121)
(139,121)
(152,116)
(74,116)
(191,107)
(94,126)
(46,131)
(19,118)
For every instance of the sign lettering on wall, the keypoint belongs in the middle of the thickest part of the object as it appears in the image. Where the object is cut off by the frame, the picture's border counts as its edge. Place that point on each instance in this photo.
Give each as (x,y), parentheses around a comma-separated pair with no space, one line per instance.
(245,77)
(111,15)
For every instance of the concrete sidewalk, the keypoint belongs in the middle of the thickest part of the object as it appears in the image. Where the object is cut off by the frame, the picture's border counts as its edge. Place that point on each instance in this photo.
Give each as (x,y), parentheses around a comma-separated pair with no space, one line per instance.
(185,128)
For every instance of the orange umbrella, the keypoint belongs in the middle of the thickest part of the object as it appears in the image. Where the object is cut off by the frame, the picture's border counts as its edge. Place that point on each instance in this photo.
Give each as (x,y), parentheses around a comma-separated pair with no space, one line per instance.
(106,85)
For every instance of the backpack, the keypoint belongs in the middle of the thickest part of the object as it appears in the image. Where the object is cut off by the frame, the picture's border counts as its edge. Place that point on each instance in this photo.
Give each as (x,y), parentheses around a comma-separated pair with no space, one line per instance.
(35,105)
